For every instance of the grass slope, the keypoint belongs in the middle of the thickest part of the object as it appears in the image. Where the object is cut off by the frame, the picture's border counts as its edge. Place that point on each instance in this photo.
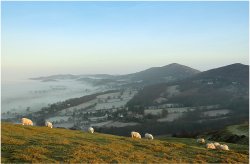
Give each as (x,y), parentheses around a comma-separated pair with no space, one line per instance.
(42,144)
(238,134)
(242,129)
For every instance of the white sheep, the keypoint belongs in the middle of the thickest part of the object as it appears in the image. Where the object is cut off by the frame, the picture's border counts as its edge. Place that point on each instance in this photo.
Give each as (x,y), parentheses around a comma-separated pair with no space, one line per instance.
(200,140)
(135,135)
(26,121)
(48,124)
(149,136)
(216,144)
(91,130)
(223,147)
(210,146)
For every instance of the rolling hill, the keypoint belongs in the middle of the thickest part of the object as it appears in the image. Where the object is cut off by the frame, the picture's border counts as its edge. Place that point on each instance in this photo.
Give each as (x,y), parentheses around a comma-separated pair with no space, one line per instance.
(222,85)
(225,88)
(22,144)
(234,72)
(55,77)
(167,73)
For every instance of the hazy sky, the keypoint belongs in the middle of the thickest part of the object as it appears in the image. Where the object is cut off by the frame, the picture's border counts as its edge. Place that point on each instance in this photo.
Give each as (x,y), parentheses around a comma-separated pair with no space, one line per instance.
(45,38)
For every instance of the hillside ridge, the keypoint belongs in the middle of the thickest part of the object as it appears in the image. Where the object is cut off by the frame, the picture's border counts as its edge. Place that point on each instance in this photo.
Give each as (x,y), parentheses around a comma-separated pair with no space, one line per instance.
(219,83)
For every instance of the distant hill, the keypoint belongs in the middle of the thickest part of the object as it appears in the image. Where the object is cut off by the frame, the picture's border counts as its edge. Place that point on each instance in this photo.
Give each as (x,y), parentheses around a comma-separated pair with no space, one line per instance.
(168,73)
(70,76)
(225,87)
(32,144)
(216,86)
(55,77)
(237,72)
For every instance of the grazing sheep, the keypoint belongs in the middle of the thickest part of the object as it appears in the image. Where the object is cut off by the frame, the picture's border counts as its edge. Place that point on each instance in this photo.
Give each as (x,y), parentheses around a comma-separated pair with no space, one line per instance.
(48,124)
(200,140)
(223,147)
(135,135)
(26,121)
(210,146)
(149,136)
(216,144)
(91,130)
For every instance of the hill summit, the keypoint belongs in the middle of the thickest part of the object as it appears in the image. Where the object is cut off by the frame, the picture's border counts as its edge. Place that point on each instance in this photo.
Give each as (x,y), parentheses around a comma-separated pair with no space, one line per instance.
(167,73)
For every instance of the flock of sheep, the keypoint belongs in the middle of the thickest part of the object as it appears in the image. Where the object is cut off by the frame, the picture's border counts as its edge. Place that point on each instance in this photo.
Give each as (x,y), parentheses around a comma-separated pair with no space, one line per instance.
(215,145)
(26,121)
(137,135)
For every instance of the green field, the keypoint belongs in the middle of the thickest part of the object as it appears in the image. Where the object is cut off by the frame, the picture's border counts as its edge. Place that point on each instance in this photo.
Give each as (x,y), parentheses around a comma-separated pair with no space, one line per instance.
(42,144)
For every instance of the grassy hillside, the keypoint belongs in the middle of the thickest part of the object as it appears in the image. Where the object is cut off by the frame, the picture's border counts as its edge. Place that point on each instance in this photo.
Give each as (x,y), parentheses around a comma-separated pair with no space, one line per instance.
(242,129)
(167,73)
(234,134)
(42,144)
(223,85)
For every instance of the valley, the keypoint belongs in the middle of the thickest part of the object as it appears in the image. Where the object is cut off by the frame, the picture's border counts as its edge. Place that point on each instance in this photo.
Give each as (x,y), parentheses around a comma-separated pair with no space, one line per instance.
(115,103)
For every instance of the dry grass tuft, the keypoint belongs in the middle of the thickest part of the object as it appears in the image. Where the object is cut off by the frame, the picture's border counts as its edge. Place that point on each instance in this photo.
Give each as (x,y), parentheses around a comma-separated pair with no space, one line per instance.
(32,154)
(12,141)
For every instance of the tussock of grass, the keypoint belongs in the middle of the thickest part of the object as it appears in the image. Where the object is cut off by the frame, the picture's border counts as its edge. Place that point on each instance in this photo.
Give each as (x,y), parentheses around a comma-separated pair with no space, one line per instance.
(42,144)
(12,141)
(31,153)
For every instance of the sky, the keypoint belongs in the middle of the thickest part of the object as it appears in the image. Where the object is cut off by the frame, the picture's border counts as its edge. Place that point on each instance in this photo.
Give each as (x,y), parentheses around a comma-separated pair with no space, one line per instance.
(46,38)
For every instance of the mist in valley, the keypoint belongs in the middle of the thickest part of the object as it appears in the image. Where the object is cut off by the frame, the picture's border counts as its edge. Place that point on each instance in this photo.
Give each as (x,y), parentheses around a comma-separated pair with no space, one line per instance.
(31,95)
(123,66)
